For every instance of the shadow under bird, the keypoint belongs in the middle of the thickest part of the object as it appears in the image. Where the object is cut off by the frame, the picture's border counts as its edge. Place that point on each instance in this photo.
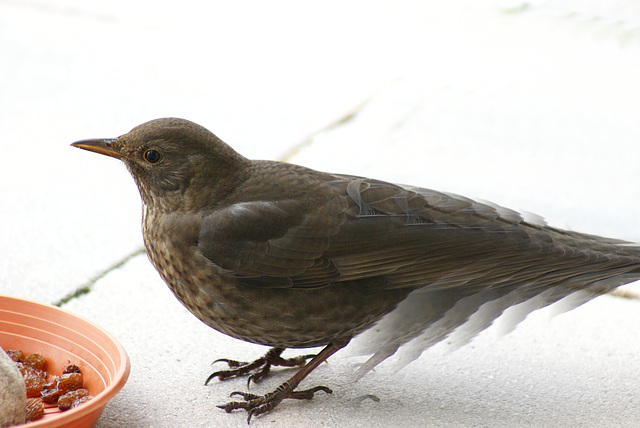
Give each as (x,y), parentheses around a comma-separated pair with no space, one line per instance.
(285,256)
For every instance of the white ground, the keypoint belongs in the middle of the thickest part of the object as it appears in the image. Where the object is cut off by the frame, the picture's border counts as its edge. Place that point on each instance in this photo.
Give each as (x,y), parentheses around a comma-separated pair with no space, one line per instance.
(532,105)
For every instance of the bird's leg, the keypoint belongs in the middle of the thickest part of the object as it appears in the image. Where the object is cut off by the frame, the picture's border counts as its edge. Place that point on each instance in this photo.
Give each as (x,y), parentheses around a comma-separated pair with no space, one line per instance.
(258,404)
(261,366)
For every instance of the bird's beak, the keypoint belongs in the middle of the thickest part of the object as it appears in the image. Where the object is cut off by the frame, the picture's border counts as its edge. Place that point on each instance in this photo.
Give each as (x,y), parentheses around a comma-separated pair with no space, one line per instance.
(102,146)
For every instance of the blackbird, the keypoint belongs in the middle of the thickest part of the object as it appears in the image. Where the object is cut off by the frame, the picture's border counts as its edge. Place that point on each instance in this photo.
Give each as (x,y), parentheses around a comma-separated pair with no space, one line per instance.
(289,257)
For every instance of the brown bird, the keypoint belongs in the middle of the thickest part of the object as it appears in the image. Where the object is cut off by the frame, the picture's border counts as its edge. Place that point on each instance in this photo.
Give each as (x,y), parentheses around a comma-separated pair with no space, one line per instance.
(288,257)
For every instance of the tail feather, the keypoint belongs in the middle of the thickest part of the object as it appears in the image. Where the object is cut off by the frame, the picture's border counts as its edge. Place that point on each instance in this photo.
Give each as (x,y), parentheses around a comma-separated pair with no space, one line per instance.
(465,317)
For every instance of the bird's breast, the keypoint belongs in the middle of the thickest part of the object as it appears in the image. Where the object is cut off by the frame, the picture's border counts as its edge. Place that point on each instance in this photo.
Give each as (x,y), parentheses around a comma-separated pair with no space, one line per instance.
(274,317)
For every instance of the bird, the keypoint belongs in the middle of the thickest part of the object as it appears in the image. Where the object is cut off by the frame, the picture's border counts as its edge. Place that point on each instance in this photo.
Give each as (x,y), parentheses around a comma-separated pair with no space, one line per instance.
(285,256)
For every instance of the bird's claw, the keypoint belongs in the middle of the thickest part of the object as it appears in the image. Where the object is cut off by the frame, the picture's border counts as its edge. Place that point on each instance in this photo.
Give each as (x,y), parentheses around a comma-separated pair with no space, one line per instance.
(230,363)
(258,369)
(259,404)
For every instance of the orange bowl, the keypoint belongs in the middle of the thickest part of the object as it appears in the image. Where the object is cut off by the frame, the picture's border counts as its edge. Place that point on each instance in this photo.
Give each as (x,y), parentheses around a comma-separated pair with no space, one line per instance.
(64,338)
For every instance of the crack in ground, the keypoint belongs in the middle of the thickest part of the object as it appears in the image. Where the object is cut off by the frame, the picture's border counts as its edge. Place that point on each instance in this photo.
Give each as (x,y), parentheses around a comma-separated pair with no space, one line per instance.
(86,287)
(346,118)
(307,141)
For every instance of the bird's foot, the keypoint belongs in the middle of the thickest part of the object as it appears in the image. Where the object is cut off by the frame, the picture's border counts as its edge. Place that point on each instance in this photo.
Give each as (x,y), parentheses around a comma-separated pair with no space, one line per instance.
(258,369)
(258,404)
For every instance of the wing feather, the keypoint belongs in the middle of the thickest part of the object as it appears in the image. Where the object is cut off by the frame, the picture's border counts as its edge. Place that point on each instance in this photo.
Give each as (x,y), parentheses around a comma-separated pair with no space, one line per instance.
(352,228)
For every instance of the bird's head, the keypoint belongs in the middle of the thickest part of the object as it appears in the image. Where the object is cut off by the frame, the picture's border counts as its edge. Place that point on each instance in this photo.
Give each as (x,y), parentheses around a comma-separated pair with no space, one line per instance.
(177,164)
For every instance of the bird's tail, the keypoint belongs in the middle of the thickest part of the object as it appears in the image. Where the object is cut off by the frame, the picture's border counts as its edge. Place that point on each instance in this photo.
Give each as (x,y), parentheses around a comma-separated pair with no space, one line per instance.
(426,317)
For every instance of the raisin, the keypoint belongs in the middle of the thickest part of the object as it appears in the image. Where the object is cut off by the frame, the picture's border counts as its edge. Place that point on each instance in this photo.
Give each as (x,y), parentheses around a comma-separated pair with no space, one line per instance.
(34,380)
(50,395)
(15,355)
(81,400)
(65,401)
(71,368)
(70,382)
(35,361)
(35,409)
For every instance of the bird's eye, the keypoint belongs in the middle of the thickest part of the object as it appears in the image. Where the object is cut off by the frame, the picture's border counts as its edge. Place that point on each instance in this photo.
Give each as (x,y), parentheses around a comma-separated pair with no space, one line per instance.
(152,156)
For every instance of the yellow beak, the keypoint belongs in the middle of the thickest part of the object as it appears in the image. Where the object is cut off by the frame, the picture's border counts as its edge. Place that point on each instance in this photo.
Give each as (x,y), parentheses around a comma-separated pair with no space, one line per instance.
(102,146)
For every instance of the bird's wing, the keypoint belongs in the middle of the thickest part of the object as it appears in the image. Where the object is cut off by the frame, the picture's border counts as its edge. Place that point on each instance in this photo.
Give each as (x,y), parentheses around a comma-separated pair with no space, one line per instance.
(412,237)
(267,243)
(418,237)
